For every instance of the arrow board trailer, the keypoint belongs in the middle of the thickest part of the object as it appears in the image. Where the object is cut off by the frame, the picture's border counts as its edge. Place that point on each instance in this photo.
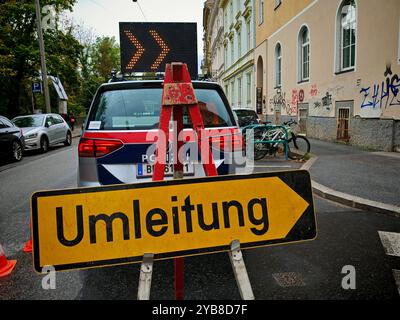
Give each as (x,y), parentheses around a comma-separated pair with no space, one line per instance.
(148,47)
(100,226)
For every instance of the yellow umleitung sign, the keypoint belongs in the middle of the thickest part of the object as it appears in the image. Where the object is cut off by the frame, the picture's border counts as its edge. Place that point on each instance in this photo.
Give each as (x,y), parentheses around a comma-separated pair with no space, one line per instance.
(90,227)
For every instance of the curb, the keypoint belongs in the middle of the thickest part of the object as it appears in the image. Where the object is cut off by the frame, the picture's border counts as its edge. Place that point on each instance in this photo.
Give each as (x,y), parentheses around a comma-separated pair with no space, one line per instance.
(355,202)
(76,136)
(350,200)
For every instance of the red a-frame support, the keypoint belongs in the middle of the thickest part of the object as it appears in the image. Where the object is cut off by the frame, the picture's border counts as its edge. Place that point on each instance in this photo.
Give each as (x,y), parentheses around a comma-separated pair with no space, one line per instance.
(178,93)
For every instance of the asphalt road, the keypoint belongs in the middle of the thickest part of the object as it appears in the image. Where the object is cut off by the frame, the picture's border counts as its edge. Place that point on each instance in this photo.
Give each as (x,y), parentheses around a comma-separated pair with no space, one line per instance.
(370,175)
(309,270)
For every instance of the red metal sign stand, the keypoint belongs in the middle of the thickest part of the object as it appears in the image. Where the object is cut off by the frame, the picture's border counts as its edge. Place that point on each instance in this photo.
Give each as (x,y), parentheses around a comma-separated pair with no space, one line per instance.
(178,93)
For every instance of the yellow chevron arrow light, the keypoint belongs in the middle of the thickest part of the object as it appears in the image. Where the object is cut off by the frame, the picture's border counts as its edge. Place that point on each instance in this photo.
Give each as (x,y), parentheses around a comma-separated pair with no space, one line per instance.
(139,50)
(165,49)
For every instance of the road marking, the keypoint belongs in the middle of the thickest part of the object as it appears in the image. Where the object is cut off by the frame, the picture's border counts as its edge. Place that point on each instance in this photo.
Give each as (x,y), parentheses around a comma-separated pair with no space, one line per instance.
(289,279)
(391,242)
(396,274)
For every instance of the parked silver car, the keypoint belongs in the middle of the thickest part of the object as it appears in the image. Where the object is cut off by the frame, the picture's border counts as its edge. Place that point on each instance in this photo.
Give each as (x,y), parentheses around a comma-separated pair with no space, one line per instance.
(43,130)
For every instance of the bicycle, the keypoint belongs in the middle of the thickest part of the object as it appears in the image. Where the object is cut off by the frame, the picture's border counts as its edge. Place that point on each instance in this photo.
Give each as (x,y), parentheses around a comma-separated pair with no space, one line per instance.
(299,145)
(268,138)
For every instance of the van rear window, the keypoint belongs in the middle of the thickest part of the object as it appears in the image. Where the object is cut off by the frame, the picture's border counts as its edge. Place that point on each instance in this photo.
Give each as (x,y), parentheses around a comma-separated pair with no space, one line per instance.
(139,109)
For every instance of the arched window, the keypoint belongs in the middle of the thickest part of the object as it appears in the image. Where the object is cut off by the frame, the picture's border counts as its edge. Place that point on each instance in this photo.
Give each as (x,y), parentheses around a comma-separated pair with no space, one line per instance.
(304,54)
(346,35)
(278,66)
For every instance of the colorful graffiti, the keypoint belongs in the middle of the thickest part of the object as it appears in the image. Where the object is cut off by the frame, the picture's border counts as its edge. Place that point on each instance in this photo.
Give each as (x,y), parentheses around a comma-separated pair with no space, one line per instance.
(313,91)
(382,95)
(295,101)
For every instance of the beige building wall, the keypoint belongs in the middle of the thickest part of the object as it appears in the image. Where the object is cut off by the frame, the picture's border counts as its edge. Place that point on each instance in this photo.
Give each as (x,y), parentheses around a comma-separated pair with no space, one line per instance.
(273,19)
(276,17)
(377,46)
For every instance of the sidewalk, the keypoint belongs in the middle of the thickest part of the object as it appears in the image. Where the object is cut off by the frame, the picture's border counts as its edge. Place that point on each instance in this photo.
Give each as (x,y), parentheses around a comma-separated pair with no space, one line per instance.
(353,174)
(77,132)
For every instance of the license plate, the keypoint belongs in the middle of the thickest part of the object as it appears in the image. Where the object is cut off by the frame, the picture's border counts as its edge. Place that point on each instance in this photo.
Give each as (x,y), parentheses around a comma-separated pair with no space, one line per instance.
(145,170)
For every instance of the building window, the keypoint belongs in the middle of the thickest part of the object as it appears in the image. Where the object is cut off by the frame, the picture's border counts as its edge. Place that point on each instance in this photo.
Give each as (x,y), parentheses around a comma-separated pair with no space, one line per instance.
(231,12)
(232,53)
(304,54)
(226,55)
(248,91)
(248,36)
(227,91)
(239,92)
(239,36)
(233,93)
(260,11)
(278,66)
(346,35)
(398,54)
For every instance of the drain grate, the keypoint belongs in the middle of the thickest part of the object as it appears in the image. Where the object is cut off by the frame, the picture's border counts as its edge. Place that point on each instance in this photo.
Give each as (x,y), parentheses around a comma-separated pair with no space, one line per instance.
(289,279)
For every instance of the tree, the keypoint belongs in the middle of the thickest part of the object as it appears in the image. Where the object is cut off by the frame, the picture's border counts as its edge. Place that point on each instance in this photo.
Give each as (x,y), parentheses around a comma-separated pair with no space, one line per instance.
(19,52)
(105,56)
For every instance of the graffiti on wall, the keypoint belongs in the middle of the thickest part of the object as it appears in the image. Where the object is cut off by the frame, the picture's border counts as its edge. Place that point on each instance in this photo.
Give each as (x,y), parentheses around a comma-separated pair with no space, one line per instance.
(313,91)
(279,103)
(322,106)
(294,102)
(383,94)
(327,101)
(335,91)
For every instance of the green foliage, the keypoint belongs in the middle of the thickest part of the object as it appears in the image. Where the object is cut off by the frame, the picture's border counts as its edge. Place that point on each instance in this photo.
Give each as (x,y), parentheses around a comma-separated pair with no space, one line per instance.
(105,56)
(19,52)
(81,66)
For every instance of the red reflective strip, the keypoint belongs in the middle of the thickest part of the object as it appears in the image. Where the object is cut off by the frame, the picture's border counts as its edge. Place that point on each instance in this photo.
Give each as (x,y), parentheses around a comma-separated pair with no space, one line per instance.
(125,137)
(150,136)
(228,143)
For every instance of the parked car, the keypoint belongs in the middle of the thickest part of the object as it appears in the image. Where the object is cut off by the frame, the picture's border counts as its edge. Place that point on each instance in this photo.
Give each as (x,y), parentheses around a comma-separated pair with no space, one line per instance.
(43,130)
(12,141)
(246,117)
(115,146)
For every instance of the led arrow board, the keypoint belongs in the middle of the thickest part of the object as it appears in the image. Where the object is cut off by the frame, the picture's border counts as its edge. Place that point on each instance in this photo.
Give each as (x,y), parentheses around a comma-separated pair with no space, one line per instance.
(148,47)
(90,227)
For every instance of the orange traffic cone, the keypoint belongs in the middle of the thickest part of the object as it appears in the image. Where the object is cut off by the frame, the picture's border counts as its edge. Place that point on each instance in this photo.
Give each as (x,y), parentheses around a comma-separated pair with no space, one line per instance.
(28,245)
(6,266)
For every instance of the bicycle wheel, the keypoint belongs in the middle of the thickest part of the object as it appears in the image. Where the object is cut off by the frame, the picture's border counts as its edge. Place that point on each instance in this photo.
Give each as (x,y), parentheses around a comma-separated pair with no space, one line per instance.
(260,149)
(299,146)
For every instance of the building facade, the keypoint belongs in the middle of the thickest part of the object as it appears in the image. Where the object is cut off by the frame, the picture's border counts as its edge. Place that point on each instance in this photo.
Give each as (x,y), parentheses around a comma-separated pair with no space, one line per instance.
(229,48)
(334,66)
(213,24)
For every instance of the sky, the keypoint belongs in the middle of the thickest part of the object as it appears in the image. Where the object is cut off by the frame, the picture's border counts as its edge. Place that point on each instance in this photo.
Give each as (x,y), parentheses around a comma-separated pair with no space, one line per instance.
(104,15)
